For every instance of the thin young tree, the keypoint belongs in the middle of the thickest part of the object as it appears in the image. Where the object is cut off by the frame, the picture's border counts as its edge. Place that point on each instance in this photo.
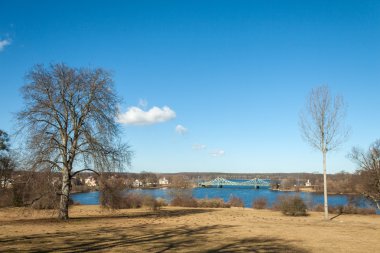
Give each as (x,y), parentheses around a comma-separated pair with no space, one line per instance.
(368,171)
(69,123)
(322,126)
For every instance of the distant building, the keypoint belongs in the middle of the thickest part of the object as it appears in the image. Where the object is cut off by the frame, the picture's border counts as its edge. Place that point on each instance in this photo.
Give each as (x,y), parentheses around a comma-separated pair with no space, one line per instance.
(137,183)
(91,182)
(6,183)
(308,184)
(163,181)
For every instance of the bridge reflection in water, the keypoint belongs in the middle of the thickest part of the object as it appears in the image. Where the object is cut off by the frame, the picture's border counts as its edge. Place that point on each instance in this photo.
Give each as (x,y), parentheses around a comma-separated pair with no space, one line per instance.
(220,182)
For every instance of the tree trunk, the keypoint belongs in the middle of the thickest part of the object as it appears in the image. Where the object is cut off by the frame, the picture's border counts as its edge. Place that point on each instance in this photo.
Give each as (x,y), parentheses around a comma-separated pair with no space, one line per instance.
(325,186)
(65,195)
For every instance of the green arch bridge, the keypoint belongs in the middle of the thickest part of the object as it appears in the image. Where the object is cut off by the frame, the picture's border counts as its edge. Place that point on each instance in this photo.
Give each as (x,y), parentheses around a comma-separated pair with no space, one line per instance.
(220,182)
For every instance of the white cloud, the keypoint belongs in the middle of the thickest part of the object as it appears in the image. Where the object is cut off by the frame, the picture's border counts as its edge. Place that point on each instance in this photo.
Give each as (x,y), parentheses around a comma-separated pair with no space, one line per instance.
(180,129)
(199,146)
(143,103)
(217,153)
(4,43)
(137,116)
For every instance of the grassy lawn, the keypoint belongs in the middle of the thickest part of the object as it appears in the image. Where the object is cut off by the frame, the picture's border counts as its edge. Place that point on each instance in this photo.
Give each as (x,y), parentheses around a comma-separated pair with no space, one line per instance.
(185,230)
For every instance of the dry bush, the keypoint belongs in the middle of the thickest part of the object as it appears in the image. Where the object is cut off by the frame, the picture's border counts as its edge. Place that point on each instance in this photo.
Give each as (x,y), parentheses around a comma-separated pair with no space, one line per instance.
(180,192)
(235,202)
(36,190)
(111,193)
(152,203)
(184,201)
(291,206)
(131,200)
(212,203)
(347,209)
(350,209)
(260,203)
(6,198)
(161,202)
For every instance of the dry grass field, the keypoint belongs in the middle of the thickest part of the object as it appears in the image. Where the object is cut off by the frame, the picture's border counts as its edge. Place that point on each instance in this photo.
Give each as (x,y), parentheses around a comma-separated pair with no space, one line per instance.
(185,230)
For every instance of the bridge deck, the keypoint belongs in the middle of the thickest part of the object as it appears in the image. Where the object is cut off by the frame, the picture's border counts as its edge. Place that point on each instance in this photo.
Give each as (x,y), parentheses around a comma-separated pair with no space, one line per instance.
(219,181)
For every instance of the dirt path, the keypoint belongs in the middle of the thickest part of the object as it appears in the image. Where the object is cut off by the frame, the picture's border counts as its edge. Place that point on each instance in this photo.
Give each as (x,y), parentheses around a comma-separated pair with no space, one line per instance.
(185,230)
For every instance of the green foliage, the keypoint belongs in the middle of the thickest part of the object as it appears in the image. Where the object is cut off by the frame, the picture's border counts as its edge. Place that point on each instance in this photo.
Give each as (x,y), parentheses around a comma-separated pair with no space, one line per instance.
(4,141)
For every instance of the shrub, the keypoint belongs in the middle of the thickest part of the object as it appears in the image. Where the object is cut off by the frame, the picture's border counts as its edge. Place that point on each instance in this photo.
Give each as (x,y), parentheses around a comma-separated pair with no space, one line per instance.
(184,201)
(161,202)
(291,205)
(347,209)
(235,202)
(350,209)
(6,198)
(212,203)
(112,193)
(260,203)
(48,201)
(132,200)
(34,189)
(151,203)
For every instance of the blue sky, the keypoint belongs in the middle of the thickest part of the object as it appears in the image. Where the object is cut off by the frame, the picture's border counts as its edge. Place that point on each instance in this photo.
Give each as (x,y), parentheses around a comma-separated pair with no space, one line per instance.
(232,75)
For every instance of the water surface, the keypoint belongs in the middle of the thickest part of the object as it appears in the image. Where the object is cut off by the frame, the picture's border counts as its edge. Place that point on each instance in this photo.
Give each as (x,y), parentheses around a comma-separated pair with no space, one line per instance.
(248,195)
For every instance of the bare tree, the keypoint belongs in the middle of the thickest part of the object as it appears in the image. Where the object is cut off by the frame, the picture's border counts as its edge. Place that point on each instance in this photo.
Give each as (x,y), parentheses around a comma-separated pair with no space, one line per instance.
(369,171)
(69,122)
(322,127)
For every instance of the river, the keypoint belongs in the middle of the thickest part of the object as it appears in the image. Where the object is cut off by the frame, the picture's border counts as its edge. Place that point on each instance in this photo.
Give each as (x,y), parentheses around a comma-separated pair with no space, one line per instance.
(246,194)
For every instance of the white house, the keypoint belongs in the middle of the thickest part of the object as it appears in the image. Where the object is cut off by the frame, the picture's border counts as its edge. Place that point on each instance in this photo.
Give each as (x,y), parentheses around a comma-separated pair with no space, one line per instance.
(163,181)
(308,184)
(91,182)
(137,183)
(6,183)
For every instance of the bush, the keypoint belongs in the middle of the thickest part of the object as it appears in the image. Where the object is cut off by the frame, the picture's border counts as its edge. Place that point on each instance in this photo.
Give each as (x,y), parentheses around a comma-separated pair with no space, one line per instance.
(212,203)
(33,189)
(111,197)
(6,198)
(153,204)
(235,202)
(184,201)
(132,201)
(350,209)
(260,203)
(48,201)
(347,209)
(161,202)
(291,206)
